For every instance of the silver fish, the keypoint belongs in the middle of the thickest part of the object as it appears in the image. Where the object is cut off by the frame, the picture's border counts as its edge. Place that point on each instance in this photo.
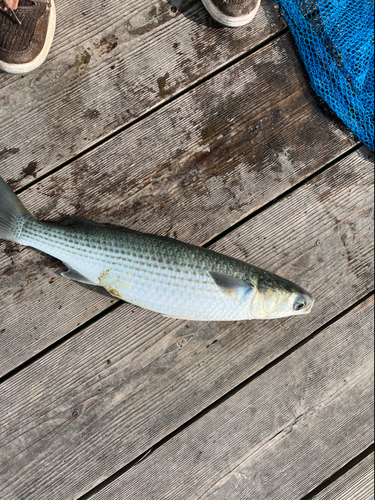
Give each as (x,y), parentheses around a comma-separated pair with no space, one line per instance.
(160,274)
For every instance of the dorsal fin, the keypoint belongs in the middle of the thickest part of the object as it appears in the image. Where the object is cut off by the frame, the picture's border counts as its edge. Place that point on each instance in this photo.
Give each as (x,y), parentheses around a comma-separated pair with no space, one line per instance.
(78,222)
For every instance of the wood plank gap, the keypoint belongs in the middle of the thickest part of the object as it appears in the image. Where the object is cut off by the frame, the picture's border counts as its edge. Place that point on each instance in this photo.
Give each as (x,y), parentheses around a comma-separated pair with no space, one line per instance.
(230,394)
(154,109)
(64,339)
(355,461)
(281,196)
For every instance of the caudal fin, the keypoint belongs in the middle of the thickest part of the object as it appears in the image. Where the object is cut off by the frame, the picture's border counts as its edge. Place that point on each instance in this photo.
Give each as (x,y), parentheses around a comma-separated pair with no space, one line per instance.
(10,209)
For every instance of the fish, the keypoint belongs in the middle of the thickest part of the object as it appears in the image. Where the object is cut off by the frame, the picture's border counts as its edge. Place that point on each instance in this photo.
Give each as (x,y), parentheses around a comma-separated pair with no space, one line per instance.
(164,275)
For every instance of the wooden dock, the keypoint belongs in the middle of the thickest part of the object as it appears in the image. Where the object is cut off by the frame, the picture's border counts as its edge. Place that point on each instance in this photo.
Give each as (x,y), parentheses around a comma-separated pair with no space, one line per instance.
(150,115)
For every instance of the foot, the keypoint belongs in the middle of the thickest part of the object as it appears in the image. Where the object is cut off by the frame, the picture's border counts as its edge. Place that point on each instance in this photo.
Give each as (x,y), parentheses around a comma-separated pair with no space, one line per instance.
(232,13)
(27,28)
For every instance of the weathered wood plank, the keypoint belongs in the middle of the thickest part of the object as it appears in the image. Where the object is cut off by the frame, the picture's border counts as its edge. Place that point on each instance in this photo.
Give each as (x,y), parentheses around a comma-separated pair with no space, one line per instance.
(110,63)
(111,392)
(188,171)
(357,483)
(277,438)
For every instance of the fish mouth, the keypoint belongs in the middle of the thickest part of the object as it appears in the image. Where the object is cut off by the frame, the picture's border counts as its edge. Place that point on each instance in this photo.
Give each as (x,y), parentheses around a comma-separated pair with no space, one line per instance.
(310,305)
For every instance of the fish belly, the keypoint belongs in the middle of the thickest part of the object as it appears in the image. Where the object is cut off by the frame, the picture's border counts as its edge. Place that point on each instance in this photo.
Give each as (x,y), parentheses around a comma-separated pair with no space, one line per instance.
(180,294)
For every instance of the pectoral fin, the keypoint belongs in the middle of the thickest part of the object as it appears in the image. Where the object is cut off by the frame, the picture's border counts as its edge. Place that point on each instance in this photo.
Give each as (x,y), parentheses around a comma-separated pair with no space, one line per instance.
(72,274)
(233,287)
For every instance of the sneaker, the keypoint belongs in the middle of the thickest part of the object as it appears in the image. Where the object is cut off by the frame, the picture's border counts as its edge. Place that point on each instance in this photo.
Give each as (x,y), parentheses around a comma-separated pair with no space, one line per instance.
(232,13)
(26,34)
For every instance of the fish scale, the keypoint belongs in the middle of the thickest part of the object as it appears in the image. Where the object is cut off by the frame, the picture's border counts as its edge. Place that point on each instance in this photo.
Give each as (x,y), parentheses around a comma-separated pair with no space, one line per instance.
(160,274)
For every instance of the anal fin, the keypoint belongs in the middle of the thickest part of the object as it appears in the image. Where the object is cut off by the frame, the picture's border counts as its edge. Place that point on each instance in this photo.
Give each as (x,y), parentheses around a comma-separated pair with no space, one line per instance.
(74,275)
(179,317)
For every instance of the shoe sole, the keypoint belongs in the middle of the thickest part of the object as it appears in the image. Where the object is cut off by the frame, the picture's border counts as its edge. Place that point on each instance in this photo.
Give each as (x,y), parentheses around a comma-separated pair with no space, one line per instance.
(21,69)
(232,22)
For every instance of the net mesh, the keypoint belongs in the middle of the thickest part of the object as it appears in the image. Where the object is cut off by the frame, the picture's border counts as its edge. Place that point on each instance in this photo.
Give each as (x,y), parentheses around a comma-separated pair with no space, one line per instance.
(335,41)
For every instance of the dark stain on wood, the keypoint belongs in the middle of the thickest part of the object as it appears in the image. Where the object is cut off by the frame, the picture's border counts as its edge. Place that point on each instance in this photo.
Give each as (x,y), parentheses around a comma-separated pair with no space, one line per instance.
(82,61)
(91,114)
(106,45)
(6,152)
(11,248)
(30,169)
(161,84)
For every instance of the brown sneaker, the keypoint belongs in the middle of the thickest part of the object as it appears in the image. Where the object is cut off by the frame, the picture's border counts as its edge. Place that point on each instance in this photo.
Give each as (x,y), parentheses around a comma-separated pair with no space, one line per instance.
(232,13)
(26,34)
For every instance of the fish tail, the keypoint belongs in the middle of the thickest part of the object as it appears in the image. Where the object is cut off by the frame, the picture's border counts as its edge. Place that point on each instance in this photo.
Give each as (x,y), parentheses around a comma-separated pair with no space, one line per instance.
(10,210)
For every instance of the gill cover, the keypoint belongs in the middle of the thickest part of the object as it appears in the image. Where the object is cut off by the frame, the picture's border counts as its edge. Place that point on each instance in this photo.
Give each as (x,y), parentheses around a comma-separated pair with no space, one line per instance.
(269,303)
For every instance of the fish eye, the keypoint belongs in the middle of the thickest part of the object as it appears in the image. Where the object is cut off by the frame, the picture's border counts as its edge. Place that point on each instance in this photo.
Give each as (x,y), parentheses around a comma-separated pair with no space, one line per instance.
(300,304)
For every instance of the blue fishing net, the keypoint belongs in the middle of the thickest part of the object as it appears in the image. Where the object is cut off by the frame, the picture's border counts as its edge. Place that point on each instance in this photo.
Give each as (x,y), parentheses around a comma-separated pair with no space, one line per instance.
(335,39)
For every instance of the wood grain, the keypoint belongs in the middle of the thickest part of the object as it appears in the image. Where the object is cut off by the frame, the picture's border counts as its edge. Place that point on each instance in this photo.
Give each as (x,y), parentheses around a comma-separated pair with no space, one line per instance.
(190,171)
(95,403)
(357,483)
(110,63)
(279,436)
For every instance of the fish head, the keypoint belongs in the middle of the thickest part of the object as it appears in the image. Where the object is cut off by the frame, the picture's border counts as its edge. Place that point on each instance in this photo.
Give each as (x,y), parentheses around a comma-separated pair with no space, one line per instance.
(277,297)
